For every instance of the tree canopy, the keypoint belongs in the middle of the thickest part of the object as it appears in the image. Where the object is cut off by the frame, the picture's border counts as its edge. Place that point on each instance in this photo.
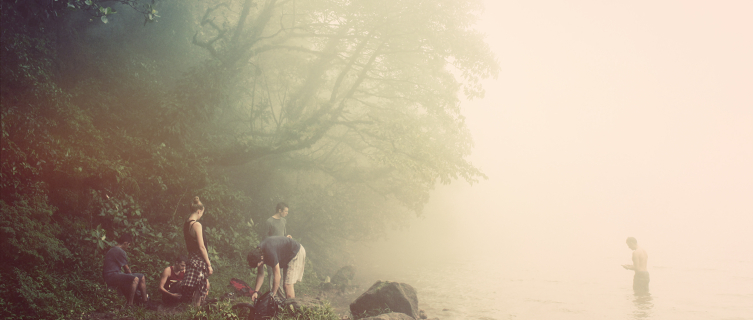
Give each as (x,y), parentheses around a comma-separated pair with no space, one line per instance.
(363,91)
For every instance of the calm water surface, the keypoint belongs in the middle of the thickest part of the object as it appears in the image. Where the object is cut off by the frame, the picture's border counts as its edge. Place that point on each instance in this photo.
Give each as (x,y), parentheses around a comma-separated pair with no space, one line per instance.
(572,286)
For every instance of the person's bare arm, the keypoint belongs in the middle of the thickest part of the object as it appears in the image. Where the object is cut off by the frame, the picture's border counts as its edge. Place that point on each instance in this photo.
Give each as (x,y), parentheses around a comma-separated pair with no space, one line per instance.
(276,283)
(259,281)
(630,266)
(163,281)
(126,269)
(635,261)
(200,239)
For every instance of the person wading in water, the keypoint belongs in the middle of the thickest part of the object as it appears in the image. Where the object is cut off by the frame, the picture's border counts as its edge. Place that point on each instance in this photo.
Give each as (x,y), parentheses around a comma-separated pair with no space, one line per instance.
(640,260)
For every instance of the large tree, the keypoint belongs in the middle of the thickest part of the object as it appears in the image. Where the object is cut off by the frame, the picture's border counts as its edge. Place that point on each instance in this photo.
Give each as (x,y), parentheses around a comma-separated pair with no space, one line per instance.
(364,91)
(348,110)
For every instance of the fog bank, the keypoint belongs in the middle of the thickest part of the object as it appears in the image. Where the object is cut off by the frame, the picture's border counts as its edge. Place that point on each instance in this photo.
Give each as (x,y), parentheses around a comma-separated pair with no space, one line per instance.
(607,121)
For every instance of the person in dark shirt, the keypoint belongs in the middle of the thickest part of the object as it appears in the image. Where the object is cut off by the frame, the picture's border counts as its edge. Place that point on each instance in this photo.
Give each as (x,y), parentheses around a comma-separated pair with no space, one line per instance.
(169,283)
(126,282)
(278,253)
(195,287)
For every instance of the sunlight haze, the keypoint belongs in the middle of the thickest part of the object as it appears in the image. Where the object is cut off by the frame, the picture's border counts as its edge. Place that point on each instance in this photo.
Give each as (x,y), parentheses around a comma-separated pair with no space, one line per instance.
(608,120)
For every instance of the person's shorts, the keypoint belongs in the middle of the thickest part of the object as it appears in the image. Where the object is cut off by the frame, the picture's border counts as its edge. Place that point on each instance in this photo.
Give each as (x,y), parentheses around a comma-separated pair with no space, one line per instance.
(121,281)
(294,271)
(640,281)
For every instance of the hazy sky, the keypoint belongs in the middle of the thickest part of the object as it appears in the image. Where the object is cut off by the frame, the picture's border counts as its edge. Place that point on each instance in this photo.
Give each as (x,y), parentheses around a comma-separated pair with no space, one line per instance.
(637,114)
(610,119)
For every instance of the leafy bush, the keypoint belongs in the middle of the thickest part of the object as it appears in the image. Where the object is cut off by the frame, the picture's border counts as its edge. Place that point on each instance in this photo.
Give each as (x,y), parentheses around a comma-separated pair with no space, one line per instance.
(27,236)
(41,295)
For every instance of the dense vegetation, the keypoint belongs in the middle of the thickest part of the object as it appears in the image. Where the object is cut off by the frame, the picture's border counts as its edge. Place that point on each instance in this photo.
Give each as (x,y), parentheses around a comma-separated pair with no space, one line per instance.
(116,113)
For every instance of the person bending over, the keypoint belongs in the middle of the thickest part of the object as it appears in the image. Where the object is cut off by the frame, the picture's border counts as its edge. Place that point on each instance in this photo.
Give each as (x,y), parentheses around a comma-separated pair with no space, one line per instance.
(278,253)
(276,226)
(125,281)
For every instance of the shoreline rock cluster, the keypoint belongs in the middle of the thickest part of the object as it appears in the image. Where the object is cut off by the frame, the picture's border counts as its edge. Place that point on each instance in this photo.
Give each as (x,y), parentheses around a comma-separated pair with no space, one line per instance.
(384,300)
(394,297)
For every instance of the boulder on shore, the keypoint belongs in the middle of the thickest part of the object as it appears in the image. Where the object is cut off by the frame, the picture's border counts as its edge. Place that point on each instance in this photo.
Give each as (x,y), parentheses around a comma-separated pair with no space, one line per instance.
(387,296)
(390,316)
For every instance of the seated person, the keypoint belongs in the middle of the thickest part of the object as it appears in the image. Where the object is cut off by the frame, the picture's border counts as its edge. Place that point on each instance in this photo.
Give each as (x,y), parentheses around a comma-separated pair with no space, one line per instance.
(126,282)
(169,283)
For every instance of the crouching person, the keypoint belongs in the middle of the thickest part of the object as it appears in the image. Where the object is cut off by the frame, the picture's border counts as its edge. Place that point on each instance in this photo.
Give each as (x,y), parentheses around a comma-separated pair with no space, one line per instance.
(170,282)
(278,253)
(125,281)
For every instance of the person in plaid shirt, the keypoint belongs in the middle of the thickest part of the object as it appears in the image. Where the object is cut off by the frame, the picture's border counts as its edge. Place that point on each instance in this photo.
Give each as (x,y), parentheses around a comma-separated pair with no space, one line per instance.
(198,269)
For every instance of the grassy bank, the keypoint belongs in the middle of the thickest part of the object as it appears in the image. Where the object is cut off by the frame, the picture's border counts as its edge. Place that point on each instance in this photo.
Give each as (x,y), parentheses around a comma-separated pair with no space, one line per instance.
(217,311)
(221,310)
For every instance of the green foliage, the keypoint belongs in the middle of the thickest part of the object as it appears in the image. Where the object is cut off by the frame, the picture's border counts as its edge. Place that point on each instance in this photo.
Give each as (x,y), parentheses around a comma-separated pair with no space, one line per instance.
(346,110)
(98,236)
(39,12)
(124,215)
(216,311)
(41,295)
(27,237)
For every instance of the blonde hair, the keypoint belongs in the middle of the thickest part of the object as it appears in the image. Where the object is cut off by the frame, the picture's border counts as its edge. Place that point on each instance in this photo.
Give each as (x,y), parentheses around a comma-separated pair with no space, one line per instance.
(196,205)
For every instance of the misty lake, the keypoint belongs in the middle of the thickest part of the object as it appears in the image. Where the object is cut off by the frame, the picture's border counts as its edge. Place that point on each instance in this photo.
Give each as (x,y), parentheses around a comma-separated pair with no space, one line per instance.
(572,286)
(563,266)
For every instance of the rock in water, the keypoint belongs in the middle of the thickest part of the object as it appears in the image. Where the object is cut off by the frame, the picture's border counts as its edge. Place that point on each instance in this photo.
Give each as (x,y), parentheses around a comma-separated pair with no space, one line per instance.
(387,296)
(390,316)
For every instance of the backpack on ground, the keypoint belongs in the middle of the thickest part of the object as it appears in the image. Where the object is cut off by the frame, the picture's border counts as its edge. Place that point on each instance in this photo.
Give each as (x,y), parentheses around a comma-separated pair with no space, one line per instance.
(241,287)
(266,307)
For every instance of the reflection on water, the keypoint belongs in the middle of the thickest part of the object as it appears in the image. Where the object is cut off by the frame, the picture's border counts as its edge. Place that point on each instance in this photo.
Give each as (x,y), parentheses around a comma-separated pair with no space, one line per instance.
(519,287)
(643,304)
